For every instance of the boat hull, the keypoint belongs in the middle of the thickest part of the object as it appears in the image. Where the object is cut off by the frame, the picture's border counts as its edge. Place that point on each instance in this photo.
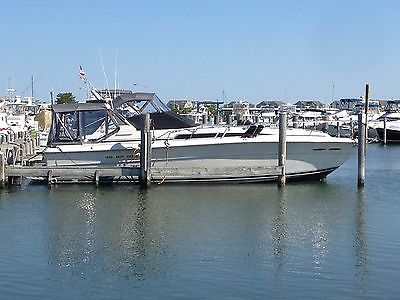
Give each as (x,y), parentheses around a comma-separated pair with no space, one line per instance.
(246,160)
(392,135)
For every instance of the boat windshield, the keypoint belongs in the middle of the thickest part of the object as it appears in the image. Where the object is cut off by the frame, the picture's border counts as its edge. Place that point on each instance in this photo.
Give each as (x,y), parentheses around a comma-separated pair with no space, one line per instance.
(131,106)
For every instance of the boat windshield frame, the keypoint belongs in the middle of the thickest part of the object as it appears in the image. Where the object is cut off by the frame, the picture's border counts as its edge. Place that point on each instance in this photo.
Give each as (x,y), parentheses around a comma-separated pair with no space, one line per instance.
(132,105)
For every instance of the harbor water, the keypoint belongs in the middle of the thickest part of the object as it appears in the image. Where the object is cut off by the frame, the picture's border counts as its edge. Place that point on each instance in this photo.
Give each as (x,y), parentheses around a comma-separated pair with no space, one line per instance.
(311,240)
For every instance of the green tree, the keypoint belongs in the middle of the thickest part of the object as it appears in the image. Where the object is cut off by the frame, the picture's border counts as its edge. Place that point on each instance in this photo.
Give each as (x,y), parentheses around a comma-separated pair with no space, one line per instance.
(212,108)
(65,98)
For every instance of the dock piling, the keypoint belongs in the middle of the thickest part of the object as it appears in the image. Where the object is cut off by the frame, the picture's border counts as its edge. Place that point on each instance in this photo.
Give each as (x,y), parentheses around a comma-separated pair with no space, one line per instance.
(49,177)
(384,131)
(145,151)
(362,138)
(361,152)
(282,149)
(97,178)
(2,170)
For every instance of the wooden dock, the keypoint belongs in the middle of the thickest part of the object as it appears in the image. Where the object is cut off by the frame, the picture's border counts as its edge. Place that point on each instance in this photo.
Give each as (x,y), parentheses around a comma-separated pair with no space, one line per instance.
(130,174)
(20,157)
(54,174)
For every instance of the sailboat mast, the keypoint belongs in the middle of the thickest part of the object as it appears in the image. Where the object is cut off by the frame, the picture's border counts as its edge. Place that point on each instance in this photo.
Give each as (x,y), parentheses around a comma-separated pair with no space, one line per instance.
(32,86)
(115,73)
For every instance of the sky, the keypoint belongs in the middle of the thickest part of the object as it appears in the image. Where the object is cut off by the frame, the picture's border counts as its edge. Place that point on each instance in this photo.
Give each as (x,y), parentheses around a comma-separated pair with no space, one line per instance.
(203,49)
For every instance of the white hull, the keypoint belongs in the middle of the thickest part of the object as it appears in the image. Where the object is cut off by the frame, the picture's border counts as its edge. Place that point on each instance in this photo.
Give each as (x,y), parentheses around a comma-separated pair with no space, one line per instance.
(215,159)
(92,134)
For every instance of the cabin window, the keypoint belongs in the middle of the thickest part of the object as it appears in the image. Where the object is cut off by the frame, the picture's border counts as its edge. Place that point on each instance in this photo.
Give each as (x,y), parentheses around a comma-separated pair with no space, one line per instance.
(96,124)
(67,125)
(90,125)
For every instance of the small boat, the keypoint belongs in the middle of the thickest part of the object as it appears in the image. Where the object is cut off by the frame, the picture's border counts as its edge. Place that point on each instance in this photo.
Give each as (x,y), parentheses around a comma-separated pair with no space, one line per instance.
(107,133)
(392,132)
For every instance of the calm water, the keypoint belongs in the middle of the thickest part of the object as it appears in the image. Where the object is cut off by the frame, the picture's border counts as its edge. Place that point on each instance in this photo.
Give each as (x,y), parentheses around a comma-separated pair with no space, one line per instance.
(309,240)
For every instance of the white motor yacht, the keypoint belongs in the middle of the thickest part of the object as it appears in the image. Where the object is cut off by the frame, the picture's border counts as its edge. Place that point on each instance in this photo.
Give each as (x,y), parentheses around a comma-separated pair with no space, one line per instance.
(101,133)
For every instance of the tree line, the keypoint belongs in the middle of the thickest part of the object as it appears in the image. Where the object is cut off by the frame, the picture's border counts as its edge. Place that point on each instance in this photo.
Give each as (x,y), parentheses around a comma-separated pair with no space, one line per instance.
(63,98)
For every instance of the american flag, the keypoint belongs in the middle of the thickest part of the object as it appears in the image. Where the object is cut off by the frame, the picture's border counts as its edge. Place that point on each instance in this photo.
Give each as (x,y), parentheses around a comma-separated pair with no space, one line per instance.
(82,73)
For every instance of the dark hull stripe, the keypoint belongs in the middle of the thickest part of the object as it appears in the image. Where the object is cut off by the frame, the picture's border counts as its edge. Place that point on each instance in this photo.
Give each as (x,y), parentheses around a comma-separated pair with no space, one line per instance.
(314,175)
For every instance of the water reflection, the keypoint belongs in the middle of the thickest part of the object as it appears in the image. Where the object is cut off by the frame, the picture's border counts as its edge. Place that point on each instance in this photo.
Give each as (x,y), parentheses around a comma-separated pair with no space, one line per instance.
(320,236)
(309,222)
(360,241)
(280,228)
(144,235)
(104,231)
(133,238)
(236,241)
(88,207)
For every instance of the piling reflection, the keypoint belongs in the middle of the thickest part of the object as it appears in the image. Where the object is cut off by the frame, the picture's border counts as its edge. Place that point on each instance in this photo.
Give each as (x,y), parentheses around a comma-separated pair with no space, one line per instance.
(132,240)
(360,241)
(307,224)
(72,230)
(87,205)
(280,228)
(319,241)
(141,235)
(91,231)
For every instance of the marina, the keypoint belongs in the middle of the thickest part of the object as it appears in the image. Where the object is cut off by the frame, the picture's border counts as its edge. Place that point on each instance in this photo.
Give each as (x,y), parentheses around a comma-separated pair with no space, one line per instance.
(118,236)
(222,241)
(199,150)
(202,169)
(135,137)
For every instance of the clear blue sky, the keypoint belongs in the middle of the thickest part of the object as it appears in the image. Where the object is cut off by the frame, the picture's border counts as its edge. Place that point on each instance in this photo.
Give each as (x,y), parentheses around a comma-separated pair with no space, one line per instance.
(253,50)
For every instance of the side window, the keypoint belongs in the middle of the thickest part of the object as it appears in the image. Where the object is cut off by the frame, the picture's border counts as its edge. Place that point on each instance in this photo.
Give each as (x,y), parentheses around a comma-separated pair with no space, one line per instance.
(97,124)
(94,124)
(112,126)
(67,126)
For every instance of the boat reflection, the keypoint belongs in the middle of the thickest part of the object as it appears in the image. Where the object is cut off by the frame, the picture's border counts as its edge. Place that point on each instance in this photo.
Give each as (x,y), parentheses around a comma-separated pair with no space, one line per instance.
(129,233)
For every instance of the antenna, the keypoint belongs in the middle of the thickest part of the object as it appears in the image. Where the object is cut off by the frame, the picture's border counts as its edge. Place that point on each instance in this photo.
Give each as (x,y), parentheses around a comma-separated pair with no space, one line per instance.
(51,97)
(115,73)
(32,78)
(104,72)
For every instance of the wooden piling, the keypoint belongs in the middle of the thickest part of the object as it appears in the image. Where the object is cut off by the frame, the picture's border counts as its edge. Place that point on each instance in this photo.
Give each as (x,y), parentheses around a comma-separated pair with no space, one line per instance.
(97,178)
(2,170)
(325,124)
(282,149)
(145,151)
(295,121)
(384,131)
(366,110)
(361,151)
(230,120)
(351,129)
(49,177)
(362,139)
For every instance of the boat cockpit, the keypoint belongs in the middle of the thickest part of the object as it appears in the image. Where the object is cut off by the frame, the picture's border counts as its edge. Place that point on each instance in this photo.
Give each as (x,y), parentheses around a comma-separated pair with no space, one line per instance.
(81,122)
